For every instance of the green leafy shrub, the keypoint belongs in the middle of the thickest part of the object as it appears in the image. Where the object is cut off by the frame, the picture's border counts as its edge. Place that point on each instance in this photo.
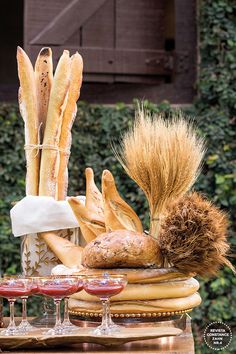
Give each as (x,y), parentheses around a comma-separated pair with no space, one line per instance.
(216,112)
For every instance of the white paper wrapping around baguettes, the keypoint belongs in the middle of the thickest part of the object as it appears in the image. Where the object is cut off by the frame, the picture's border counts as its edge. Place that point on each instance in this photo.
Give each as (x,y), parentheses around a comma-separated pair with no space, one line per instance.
(35,214)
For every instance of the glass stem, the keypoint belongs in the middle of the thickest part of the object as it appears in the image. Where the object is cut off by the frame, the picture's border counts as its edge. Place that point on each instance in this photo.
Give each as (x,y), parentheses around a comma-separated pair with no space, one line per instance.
(12,313)
(58,313)
(24,309)
(106,316)
(66,309)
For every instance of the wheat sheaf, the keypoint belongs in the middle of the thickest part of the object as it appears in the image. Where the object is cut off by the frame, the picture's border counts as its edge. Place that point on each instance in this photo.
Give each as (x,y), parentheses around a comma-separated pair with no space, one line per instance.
(163,156)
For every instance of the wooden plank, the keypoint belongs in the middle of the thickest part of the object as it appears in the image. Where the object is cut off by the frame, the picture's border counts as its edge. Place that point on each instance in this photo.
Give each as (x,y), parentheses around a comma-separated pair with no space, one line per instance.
(179,345)
(120,61)
(140,24)
(105,78)
(75,39)
(36,17)
(103,93)
(151,79)
(64,24)
(186,40)
(108,78)
(99,30)
(110,93)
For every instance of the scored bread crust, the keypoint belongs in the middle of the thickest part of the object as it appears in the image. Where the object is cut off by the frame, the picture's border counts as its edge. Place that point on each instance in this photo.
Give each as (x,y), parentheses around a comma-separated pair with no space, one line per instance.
(93,204)
(29,111)
(165,290)
(122,248)
(50,154)
(138,306)
(94,200)
(118,214)
(43,77)
(67,122)
(91,224)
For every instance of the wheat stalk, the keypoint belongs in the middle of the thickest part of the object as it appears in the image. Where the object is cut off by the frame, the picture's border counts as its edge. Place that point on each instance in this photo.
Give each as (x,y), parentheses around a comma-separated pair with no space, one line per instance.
(162,157)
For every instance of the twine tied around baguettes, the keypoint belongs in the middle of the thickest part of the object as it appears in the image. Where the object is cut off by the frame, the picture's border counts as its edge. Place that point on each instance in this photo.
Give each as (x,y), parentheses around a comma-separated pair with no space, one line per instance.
(39,147)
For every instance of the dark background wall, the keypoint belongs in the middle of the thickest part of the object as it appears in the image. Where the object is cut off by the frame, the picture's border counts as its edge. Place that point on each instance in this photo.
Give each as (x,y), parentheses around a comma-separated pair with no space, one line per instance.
(131,48)
(11,35)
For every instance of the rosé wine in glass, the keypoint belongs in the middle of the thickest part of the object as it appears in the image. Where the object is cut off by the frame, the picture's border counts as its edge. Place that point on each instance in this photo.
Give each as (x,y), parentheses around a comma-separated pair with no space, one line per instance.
(105,286)
(12,287)
(57,287)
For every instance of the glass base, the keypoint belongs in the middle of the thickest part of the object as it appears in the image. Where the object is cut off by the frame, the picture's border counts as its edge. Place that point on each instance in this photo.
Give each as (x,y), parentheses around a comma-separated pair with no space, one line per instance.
(68,327)
(10,331)
(106,330)
(25,327)
(56,331)
(44,321)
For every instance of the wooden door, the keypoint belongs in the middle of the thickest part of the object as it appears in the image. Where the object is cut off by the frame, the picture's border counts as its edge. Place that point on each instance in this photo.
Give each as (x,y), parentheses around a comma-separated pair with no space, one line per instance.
(123,43)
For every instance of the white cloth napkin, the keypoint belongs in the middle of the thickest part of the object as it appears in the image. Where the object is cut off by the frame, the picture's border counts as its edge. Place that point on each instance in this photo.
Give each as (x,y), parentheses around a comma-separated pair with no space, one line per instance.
(35,214)
(60,269)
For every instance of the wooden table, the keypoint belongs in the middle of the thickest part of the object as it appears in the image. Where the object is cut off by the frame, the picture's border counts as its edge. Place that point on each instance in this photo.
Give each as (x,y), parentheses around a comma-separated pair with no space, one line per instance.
(183,344)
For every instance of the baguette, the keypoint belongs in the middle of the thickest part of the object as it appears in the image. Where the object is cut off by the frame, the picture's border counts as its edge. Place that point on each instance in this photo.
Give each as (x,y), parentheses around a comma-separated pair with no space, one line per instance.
(67,122)
(94,204)
(29,111)
(50,154)
(94,201)
(165,290)
(67,252)
(124,307)
(43,77)
(118,214)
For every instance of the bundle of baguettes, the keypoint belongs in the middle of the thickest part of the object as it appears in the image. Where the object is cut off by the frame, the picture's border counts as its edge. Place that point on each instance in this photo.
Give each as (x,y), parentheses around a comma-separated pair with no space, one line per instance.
(48,107)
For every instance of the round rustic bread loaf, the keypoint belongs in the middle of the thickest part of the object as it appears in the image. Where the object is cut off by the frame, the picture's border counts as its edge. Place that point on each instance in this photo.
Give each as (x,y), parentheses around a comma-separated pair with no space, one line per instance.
(120,249)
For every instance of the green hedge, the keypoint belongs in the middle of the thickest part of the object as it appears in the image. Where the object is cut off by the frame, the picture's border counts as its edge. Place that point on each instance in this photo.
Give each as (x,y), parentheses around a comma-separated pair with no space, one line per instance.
(97,126)
(216,111)
(94,130)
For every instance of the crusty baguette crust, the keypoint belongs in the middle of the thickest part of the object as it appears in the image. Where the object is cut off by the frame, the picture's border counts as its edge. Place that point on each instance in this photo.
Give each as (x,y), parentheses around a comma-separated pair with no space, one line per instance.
(67,122)
(91,224)
(58,99)
(138,306)
(122,248)
(165,290)
(94,200)
(29,112)
(43,77)
(68,253)
(118,214)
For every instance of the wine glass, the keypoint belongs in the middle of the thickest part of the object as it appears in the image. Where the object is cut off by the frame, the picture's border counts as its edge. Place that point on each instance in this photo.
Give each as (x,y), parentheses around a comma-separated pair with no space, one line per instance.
(57,287)
(12,288)
(105,286)
(67,326)
(25,326)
